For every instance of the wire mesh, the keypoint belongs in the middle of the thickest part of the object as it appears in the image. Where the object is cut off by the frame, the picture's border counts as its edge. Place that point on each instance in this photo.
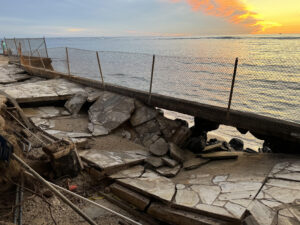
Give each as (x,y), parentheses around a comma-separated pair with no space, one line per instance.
(264,85)
(269,86)
(204,80)
(29,46)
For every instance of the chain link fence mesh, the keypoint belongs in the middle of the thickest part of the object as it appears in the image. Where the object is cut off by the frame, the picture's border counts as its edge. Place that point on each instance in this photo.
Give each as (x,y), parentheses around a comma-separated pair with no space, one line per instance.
(265,86)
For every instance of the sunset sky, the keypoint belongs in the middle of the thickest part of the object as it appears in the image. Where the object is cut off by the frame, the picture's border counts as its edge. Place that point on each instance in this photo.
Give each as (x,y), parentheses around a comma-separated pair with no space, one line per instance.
(148,17)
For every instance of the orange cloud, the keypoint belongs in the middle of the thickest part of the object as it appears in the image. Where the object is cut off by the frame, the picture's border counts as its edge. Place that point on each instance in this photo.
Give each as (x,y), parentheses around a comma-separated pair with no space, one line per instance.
(235,11)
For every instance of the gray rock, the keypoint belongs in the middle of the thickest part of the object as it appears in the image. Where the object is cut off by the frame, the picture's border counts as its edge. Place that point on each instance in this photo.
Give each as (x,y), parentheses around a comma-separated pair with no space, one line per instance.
(97,129)
(236,144)
(142,114)
(159,148)
(148,132)
(176,153)
(111,110)
(194,163)
(74,104)
(169,162)
(181,136)
(154,161)
(168,172)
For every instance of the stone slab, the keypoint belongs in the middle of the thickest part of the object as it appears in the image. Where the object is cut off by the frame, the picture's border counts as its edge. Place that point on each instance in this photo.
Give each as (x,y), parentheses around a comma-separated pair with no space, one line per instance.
(108,160)
(194,163)
(158,187)
(133,172)
(168,172)
(219,155)
(176,153)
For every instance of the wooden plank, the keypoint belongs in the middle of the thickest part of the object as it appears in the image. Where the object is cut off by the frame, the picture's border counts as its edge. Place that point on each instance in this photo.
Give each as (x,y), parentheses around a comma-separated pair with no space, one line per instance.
(262,125)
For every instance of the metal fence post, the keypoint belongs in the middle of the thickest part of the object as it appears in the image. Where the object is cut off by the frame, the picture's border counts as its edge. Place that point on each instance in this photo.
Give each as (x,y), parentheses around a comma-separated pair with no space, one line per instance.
(100,70)
(151,81)
(69,72)
(232,83)
(46,47)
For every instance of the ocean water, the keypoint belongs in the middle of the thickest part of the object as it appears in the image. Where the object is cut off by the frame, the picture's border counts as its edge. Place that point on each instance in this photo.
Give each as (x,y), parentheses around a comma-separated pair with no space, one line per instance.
(198,69)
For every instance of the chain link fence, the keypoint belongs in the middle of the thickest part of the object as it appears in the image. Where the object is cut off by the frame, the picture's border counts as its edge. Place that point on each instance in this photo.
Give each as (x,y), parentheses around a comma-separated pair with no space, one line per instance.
(265,86)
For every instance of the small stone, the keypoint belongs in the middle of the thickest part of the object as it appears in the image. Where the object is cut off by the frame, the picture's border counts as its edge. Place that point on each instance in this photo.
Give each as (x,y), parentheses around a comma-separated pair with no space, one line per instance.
(126,134)
(218,179)
(154,161)
(168,172)
(180,186)
(176,153)
(236,144)
(186,198)
(75,103)
(194,163)
(169,162)
(159,148)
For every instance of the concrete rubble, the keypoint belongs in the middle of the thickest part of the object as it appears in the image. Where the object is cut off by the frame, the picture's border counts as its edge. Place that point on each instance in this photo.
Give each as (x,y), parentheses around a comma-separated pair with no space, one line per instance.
(157,173)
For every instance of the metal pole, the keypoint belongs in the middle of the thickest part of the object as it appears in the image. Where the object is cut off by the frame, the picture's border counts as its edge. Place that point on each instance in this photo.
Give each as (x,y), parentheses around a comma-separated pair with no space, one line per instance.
(63,198)
(232,83)
(16,47)
(30,52)
(100,70)
(68,61)
(46,47)
(152,71)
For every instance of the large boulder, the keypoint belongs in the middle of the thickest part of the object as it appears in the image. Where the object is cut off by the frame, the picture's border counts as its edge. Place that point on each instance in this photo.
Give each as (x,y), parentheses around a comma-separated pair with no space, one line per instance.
(74,104)
(110,111)
(236,144)
(142,114)
(159,148)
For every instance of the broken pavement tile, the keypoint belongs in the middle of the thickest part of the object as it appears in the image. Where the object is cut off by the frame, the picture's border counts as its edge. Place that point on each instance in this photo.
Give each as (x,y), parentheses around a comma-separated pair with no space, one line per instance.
(168,172)
(74,104)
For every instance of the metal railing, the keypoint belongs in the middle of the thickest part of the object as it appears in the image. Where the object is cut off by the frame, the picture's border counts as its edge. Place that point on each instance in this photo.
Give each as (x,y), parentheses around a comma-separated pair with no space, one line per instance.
(265,86)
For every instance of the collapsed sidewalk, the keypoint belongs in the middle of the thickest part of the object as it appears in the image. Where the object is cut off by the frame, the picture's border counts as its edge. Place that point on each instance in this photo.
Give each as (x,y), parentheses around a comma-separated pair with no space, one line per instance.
(145,159)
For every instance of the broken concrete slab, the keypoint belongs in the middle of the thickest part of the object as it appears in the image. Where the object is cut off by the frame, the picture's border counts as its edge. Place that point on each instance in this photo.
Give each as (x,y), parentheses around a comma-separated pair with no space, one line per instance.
(154,161)
(63,134)
(219,155)
(133,172)
(46,112)
(158,187)
(148,132)
(168,172)
(93,94)
(142,114)
(194,163)
(176,153)
(169,162)
(111,110)
(138,200)
(107,160)
(159,148)
(54,89)
(74,104)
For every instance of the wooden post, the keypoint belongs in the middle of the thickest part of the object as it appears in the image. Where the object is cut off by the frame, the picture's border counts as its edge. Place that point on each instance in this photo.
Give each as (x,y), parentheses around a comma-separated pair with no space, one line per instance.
(152,71)
(232,83)
(41,60)
(46,48)
(16,46)
(69,72)
(100,70)
(30,51)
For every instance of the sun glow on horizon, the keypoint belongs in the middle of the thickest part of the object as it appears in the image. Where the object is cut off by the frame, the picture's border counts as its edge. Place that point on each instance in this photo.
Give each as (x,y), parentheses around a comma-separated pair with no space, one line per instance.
(259,16)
